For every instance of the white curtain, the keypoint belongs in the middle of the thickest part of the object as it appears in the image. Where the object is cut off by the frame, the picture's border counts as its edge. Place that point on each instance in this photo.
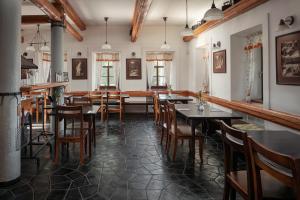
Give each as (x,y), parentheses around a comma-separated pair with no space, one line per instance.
(167,69)
(116,66)
(150,72)
(253,51)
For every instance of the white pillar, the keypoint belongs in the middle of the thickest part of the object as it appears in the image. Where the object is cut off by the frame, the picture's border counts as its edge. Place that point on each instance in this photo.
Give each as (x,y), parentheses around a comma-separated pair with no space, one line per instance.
(57,61)
(10,68)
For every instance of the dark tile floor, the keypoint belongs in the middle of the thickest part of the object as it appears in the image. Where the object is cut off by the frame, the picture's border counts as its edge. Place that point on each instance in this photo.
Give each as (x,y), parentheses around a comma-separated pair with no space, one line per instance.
(128,163)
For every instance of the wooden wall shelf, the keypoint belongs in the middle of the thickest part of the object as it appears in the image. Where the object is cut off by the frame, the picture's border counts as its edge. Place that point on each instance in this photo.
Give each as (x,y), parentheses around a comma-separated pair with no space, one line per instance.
(234,11)
(28,88)
(284,119)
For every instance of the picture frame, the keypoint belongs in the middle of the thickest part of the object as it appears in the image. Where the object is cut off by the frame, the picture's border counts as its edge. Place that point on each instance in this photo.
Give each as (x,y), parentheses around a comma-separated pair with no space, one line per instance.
(133,68)
(79,69)
(219,61)
(65,77)
(288,59)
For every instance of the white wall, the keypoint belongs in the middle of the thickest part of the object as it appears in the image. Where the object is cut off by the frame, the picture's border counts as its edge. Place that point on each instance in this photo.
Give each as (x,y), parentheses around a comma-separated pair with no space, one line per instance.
(277,97)
(150,39)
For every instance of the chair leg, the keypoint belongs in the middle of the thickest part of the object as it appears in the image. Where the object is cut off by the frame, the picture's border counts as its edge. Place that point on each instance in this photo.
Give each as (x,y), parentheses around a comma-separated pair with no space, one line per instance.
(81,152)
(201,142)
(56,153)
(162,135)
(175,148)
(226,190)
(182,142)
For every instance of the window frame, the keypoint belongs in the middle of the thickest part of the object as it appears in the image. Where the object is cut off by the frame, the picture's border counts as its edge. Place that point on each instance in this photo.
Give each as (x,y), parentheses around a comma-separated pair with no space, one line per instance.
(157,86)
(108,86)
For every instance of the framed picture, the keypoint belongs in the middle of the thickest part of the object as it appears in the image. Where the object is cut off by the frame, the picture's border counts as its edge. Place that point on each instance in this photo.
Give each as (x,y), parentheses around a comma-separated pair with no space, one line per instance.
(133,68)
(79,68)
(288,59)
(65,76)
(219,61)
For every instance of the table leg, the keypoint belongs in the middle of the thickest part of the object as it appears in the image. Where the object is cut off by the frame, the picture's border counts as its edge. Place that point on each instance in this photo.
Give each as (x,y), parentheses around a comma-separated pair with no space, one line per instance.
(90,137)
(94,129)
(193,130)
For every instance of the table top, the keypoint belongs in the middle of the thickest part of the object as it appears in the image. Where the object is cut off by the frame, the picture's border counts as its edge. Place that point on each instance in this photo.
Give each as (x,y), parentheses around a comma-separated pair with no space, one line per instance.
(105,96)
(191,111)
(173,97)
(86,110)
(284,142)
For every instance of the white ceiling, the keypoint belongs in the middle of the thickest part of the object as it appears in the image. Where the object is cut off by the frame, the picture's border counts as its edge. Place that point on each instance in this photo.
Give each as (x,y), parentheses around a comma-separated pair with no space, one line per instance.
(120,12)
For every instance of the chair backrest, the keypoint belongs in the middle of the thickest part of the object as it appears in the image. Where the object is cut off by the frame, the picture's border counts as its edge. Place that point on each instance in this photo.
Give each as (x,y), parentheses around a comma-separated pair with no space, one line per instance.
(236,141)
(114,96)
(66,114)
(282,167)
(164,112)
(156,103)
(83,101)
(172,122)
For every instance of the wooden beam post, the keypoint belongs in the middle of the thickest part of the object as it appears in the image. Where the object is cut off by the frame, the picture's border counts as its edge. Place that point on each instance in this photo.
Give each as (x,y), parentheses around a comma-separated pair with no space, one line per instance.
(140,12)
(72,14)
(56,15)
(35,19)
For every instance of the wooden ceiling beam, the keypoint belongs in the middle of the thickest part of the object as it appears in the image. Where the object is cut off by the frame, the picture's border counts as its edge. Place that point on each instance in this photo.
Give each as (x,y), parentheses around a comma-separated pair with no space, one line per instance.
(72,14)
(232,12)
(35,19)
(56,15)
(140,12)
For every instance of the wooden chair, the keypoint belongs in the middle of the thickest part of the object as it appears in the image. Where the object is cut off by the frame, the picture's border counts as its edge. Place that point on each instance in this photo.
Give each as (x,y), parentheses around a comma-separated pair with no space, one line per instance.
(98,98)
(114,104)
(70,135)
(83,101)
(283,169)
(180,132)
(163,122)
(242,181)
(156,109)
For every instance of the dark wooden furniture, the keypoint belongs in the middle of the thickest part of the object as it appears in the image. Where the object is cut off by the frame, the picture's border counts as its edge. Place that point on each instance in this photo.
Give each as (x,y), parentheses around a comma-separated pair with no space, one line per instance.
(181,132)
(175,98)
(114,103)
(75,134)
(191,113)
(236,180)
(163,110)
(156,109)
(83,101)
(278,154)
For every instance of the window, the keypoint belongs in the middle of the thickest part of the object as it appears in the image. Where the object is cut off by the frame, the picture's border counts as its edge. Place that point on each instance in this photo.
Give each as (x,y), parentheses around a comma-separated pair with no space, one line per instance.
(107,78)
(159,79)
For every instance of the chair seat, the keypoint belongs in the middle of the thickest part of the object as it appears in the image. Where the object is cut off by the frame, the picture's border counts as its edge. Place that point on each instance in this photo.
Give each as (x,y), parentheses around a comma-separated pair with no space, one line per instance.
(85,125)
(272,188)
(184,130)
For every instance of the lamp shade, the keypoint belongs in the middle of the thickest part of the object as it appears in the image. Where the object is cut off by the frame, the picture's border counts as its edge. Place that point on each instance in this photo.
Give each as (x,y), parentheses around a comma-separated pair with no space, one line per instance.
(213,14)
(106,46)
(30,48)
(45,48)
(187,32)
(165,46)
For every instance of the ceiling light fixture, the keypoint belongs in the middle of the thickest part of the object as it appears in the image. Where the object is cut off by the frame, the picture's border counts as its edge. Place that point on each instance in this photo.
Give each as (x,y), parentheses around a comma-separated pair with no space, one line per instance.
(106,46)
(38,42)
(187,31)
(213,13)
(165,45)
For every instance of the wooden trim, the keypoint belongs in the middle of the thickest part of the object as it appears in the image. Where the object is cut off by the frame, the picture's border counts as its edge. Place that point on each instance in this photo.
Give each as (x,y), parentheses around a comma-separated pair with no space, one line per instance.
(35,19)
(140,12)
(282,118)
(232,12)
(56,14)
(72,14)
(29,88)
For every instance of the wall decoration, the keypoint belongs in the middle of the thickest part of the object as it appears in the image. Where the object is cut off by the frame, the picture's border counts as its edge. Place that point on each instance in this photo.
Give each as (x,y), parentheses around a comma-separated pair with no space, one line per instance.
(65,76)
(288,59)
(79,68)
(219,61)
(133,69)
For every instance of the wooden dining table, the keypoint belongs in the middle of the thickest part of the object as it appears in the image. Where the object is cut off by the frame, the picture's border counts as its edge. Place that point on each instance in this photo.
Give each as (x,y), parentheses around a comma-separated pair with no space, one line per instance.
(283,142)
(196,117)
(174,98)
